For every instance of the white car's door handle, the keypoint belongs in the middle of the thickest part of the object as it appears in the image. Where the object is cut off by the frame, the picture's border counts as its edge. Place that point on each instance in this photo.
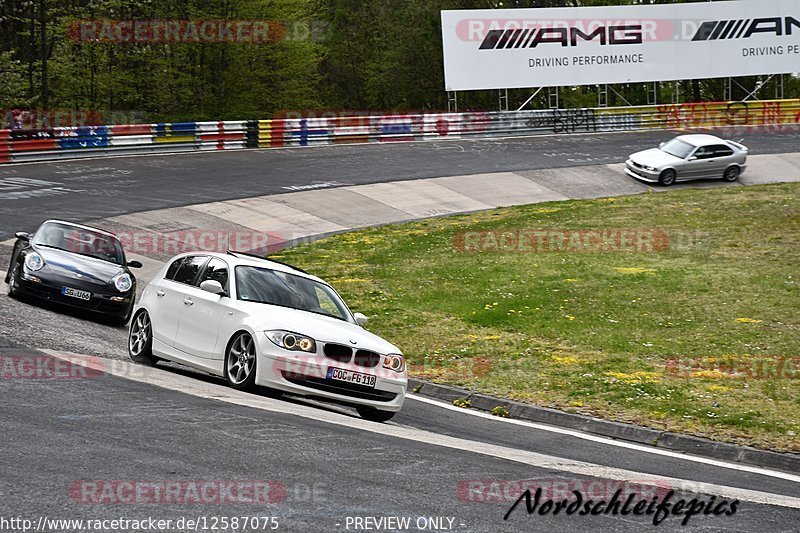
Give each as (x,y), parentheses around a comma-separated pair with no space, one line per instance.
(188,301)
(160,293)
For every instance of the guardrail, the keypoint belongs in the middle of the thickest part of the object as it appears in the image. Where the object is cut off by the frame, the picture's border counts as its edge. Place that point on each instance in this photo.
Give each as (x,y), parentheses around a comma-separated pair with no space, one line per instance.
(23,145)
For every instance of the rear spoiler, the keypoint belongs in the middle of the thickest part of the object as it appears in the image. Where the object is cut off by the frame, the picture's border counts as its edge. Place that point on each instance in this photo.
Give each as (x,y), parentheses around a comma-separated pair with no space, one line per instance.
(739,145)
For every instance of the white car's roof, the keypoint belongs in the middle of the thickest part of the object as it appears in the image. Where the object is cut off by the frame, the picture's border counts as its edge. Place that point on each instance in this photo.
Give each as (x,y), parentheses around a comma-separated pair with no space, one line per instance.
(235,259)
(701,139)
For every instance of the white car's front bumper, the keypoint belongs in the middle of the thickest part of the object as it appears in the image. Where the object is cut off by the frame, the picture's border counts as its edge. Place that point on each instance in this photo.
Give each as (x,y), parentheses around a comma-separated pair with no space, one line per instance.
(306,374)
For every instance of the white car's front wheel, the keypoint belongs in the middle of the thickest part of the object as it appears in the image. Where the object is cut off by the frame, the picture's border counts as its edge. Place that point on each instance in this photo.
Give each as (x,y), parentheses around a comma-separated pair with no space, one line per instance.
(140,340)
(240,362)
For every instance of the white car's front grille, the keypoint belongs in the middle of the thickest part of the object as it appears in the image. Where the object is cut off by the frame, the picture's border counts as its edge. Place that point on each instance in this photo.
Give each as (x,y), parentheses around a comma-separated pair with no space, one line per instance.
(367,359)
(338,352)
(344,354)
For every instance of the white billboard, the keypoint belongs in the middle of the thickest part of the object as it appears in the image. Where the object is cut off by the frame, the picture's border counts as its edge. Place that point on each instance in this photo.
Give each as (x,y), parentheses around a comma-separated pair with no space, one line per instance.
(516,48)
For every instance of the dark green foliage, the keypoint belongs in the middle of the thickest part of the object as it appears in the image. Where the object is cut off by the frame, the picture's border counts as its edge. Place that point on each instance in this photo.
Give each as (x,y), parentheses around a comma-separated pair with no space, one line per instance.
(376,55)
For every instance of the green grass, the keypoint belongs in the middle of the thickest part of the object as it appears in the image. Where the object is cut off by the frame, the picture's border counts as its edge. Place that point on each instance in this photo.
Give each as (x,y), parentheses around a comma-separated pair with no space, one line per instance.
(595,332)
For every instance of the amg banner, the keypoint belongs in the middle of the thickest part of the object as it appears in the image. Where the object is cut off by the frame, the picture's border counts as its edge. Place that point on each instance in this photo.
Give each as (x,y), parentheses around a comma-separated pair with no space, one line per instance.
(517,48)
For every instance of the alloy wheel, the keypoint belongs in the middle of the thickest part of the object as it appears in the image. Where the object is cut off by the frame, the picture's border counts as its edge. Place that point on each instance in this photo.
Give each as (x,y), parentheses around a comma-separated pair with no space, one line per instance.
(241,359)
(140,334)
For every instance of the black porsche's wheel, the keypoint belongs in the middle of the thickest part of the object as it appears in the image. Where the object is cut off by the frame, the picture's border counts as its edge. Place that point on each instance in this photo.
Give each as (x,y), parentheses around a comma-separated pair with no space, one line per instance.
(140,340)
(732,173)
(12,282)
(667,177)
(374,415)
(122,320)
(240,362)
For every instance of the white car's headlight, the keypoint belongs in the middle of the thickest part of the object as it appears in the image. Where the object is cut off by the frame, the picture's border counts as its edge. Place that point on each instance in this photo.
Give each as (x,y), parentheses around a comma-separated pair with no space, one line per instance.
(394,362)
(292,341)
(34,262)
(651,169)
(123,282)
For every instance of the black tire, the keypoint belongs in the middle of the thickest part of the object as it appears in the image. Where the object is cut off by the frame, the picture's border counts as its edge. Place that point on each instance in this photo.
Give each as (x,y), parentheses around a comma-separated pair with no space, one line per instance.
(140,340)
(275,394)
(732,174)
(241,360)
(374,415)
(667,177)
(11,280)
(121,321)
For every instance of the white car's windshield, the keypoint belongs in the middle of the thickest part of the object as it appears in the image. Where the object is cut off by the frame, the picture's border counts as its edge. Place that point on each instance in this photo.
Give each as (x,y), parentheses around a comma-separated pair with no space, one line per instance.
(268,286)
(678,148)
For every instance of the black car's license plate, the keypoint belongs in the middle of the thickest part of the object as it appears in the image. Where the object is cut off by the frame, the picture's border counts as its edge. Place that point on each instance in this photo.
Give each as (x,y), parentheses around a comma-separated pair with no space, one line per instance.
(75,293)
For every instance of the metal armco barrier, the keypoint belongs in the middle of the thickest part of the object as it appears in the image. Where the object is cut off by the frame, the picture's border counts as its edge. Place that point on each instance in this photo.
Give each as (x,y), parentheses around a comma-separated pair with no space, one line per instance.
(23,145)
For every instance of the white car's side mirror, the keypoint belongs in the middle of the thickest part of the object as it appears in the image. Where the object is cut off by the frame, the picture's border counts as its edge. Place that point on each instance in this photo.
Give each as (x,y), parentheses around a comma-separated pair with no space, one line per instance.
(212,286)
(693,158)
(361,318)
(662,145)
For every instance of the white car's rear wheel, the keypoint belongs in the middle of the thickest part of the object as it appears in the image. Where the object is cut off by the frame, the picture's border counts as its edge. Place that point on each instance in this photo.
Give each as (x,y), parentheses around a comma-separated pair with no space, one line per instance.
(140,340)
(374,415)
(240,362)
(732,174)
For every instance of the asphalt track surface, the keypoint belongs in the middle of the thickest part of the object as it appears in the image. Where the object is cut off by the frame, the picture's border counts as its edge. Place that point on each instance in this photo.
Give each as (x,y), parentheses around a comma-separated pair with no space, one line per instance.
(90,189)
(57,432)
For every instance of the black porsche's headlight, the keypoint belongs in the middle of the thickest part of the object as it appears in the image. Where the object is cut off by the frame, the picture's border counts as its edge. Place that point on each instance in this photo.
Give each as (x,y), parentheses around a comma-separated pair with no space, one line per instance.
(292,341)
(123,282)
(34,262)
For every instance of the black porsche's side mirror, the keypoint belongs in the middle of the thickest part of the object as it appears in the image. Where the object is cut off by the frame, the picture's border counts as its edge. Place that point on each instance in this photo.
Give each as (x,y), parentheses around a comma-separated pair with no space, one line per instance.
(134,264)
(22,235)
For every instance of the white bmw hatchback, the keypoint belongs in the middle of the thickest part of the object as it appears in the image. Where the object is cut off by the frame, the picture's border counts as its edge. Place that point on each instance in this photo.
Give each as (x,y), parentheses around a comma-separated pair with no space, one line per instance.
(258,322)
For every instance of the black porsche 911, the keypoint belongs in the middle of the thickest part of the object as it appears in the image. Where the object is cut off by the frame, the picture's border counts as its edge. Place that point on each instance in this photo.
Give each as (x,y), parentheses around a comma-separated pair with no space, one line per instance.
(74,265)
